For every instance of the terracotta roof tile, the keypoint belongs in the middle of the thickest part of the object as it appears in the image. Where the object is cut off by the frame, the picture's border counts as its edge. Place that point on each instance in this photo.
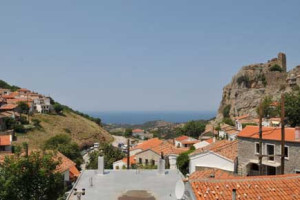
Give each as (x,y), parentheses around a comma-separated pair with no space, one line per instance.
(137,130)
(148,144)
(259,187)
(181,138)
(8,107)
(268,133)
(74,172)
(65,164)
(168,149)
(225,148)
(131,160)
(5,140)
(207,173)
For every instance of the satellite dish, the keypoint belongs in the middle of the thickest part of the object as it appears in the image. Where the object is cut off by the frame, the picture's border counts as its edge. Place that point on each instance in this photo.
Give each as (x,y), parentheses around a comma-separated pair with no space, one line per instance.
(179,189)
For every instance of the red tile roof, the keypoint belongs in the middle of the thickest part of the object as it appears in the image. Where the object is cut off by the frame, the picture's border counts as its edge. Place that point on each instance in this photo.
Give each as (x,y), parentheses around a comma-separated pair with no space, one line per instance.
(74,172)
(268,133)
(168,149)
(137,130)
(11,95)
(65,164)
(253,187)
(148,144)
(225,148)
(190,142)
(207,173)
(5,140)
(8,107)
(210,140)
(131,160)
(181,138)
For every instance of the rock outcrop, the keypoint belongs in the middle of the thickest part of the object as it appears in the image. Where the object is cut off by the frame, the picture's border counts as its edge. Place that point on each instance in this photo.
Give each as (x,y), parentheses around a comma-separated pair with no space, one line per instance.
(253,82)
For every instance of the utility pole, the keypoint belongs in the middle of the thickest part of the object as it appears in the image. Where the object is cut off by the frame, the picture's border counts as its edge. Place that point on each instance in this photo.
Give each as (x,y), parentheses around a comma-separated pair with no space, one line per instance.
(282,134)
(260,139)
(128,154)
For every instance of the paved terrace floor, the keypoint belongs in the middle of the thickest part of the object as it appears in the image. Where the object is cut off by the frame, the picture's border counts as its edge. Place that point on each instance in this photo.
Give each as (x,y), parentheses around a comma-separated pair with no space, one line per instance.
(114,184)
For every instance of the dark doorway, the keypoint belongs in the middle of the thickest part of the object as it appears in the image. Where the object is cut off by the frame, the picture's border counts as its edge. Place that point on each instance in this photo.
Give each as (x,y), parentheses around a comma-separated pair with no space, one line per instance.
(271,170)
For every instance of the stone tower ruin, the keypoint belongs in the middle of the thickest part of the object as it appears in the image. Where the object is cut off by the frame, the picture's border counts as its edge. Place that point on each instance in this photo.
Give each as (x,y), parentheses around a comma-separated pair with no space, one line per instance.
(282,61)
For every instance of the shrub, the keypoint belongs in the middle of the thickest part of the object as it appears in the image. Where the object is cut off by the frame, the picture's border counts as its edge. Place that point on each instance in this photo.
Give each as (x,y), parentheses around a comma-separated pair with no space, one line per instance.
(36,122)
(19,128)
(226,111)
(228,121)
(244,79)
(58,108)
(276,68)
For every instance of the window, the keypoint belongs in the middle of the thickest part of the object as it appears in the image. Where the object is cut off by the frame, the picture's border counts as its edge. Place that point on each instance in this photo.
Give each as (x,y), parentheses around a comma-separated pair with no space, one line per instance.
(297,171)
(270,152)
(152,162)
(140,160)
(256,148)
(146,162)
(286,152)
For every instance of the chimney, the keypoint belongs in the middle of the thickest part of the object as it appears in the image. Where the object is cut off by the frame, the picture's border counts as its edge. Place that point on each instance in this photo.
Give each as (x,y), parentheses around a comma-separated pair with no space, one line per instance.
(214,139)
(233,194)
(101,165)
(297,133)
(161,166)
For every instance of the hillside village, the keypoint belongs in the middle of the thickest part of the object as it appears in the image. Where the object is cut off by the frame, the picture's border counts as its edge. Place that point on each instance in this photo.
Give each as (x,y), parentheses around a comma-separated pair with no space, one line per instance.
(238,155)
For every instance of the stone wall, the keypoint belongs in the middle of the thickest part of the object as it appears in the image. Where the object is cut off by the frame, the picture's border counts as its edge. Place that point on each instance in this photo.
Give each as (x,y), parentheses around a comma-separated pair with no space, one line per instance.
(246,152)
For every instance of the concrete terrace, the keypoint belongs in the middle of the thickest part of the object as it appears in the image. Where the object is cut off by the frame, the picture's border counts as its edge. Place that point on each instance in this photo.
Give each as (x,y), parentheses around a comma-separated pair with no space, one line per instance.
(115,183)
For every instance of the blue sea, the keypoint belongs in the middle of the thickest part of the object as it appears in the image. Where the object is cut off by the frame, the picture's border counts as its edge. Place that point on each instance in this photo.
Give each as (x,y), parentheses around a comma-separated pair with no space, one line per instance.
(140,117)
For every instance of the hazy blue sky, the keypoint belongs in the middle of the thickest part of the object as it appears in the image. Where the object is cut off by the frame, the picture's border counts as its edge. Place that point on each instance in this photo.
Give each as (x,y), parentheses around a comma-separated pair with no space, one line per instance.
(141,55)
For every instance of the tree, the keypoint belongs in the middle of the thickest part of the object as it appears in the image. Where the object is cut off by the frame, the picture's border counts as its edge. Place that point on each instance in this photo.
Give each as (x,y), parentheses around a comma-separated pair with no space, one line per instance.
(183,163)
(58,107)
(110,153)
(128,132)
(31,178)
(267,109)
(192,129)
(23,106)
(292,108)
(275,68)
(63,143)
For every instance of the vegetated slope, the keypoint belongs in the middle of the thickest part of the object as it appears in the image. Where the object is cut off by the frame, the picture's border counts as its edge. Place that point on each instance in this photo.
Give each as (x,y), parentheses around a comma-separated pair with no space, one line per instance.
(82,130)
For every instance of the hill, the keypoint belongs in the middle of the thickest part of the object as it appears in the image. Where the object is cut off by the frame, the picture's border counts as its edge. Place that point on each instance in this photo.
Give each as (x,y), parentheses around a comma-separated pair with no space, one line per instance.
(253,83)
(83,131)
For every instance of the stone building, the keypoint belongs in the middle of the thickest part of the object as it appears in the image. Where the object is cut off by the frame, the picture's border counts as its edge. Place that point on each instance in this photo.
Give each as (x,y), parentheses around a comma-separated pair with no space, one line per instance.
(248,150)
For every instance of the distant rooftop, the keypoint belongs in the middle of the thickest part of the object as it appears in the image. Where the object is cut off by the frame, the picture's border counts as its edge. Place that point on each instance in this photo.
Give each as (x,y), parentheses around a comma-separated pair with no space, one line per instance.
(118,184)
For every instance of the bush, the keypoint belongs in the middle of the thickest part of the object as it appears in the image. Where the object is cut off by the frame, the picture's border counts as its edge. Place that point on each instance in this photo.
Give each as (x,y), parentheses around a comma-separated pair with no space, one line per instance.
(23,120)
(276,68)
(19,128)
(226,111)
(36,122)
(228,121)
(244,79)
(58,108)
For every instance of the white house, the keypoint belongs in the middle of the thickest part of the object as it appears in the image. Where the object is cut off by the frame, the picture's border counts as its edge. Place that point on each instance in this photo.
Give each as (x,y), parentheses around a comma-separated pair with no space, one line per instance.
(42,105)
(185,141)
(204,143)
(220,155)
(122,164)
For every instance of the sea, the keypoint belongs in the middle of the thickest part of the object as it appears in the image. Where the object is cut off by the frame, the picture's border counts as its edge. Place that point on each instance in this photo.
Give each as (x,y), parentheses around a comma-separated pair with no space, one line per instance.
(140,117)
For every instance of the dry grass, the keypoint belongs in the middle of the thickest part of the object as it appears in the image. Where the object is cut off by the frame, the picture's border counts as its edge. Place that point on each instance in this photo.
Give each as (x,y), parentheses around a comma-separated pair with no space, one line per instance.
(82,130)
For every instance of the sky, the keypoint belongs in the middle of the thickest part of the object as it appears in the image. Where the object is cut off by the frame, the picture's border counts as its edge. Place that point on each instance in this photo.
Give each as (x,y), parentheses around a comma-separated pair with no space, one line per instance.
(133,55)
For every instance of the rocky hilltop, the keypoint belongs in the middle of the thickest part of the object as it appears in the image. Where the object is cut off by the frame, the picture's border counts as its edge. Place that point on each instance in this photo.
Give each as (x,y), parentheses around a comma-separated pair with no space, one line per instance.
(253,82)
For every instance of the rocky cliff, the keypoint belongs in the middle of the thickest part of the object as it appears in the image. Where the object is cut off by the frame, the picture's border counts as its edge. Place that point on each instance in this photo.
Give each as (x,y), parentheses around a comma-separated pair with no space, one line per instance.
(253,82)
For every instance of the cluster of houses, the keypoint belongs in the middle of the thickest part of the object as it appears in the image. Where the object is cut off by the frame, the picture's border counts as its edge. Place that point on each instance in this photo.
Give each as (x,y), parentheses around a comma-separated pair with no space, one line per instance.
(219,167)
(9,101)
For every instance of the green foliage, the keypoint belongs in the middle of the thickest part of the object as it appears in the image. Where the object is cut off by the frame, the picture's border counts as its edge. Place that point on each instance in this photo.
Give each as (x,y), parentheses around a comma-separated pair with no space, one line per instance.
(5,85)
(128,132)
(110,153)
(276,68)
(192,148)
(23,106)
(292,108)
(192,129)
(183,161)
(30,178)
(58,108)
(267,109)
(228,121)
(19,128)
(23,120)
(226,111)
(36,123)
(261,77)
(67,130)
(244,79)
(63,143)
(9,122)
